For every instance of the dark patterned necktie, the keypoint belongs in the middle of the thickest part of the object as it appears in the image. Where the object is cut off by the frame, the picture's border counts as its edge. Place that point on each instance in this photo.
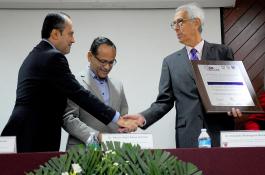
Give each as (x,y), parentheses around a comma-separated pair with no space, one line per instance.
(194,54)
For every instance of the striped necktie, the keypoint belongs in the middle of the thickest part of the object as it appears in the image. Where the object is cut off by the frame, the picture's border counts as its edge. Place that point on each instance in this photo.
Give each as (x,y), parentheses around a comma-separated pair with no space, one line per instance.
(194,56)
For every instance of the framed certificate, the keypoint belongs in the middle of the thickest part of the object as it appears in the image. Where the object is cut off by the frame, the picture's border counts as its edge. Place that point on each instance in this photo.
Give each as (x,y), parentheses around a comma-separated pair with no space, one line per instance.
(223,85)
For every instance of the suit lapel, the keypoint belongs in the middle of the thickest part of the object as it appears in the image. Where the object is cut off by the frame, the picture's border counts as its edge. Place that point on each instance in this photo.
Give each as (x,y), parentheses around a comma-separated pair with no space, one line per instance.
(112,94)
(184,61)
(91,84)
(206,51)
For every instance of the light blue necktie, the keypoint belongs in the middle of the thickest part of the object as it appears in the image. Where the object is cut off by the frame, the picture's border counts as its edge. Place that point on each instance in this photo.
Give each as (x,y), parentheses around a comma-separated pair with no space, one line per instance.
(194,56)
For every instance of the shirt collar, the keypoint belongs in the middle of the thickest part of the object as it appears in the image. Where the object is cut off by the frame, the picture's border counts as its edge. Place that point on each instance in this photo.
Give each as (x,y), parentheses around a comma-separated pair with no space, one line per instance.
(95,77)
(49,43)
(198,47)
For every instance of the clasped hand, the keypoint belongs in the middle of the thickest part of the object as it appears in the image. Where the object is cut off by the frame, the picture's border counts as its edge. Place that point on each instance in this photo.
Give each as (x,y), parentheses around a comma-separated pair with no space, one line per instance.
(127,125)
(130,123)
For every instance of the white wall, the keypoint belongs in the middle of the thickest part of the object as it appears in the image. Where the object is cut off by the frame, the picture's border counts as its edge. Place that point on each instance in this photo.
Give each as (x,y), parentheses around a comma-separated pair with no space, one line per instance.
(108,4)
(143,38)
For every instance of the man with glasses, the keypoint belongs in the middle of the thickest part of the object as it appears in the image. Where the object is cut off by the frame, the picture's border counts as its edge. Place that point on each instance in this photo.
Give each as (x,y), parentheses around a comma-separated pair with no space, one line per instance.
(177,84)
(77,122)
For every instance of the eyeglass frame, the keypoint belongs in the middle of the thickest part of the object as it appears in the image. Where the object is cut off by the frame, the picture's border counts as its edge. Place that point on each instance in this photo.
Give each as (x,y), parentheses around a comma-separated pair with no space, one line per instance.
(179,23)
(104,62)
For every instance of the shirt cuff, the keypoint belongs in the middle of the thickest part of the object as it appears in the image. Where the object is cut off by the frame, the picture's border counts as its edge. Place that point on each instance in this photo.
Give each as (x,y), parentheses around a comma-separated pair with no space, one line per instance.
(116,117)
(144,122)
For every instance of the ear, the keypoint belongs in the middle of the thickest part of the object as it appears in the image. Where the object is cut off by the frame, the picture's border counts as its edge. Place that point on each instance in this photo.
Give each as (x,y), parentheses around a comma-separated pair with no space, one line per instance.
(89,56)
(55,34)
(197,21)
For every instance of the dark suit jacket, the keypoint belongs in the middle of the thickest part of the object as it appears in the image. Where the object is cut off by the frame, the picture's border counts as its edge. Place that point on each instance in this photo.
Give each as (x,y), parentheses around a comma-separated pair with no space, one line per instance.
(44,83)
(177,85)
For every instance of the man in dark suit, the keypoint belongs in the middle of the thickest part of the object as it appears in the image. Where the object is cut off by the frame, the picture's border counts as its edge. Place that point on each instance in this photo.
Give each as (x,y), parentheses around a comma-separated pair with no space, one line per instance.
(177,84)
(44,84)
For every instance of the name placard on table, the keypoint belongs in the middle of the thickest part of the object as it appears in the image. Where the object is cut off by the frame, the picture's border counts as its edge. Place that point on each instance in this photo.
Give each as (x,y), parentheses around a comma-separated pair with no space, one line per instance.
(144,140)
(242,138)
(8,144)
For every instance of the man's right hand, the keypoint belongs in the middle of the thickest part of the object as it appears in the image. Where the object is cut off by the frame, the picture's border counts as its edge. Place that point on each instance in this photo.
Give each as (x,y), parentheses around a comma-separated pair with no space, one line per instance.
(138,118)
(127,125)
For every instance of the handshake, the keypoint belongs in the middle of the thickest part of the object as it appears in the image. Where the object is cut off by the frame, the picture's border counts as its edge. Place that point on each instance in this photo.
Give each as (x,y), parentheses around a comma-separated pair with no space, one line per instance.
(130,122)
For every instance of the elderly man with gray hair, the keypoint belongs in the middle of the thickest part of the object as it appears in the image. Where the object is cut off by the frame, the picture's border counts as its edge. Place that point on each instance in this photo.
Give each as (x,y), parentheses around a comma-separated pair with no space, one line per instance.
(177,84)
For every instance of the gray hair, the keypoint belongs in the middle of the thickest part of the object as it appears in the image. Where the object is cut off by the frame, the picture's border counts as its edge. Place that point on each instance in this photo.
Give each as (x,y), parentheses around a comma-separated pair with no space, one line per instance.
(194,11)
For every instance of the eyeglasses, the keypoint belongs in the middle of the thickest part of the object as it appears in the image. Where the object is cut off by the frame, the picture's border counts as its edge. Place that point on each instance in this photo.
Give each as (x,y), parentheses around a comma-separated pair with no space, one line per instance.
(104,62)
(178,23)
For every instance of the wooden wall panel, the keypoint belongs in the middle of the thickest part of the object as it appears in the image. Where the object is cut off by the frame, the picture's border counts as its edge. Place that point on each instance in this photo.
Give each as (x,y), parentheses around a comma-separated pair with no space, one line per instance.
(242,23)
(255,54)
(227,12)
(248,32)
(244,32)
(232,16)
(249,45)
